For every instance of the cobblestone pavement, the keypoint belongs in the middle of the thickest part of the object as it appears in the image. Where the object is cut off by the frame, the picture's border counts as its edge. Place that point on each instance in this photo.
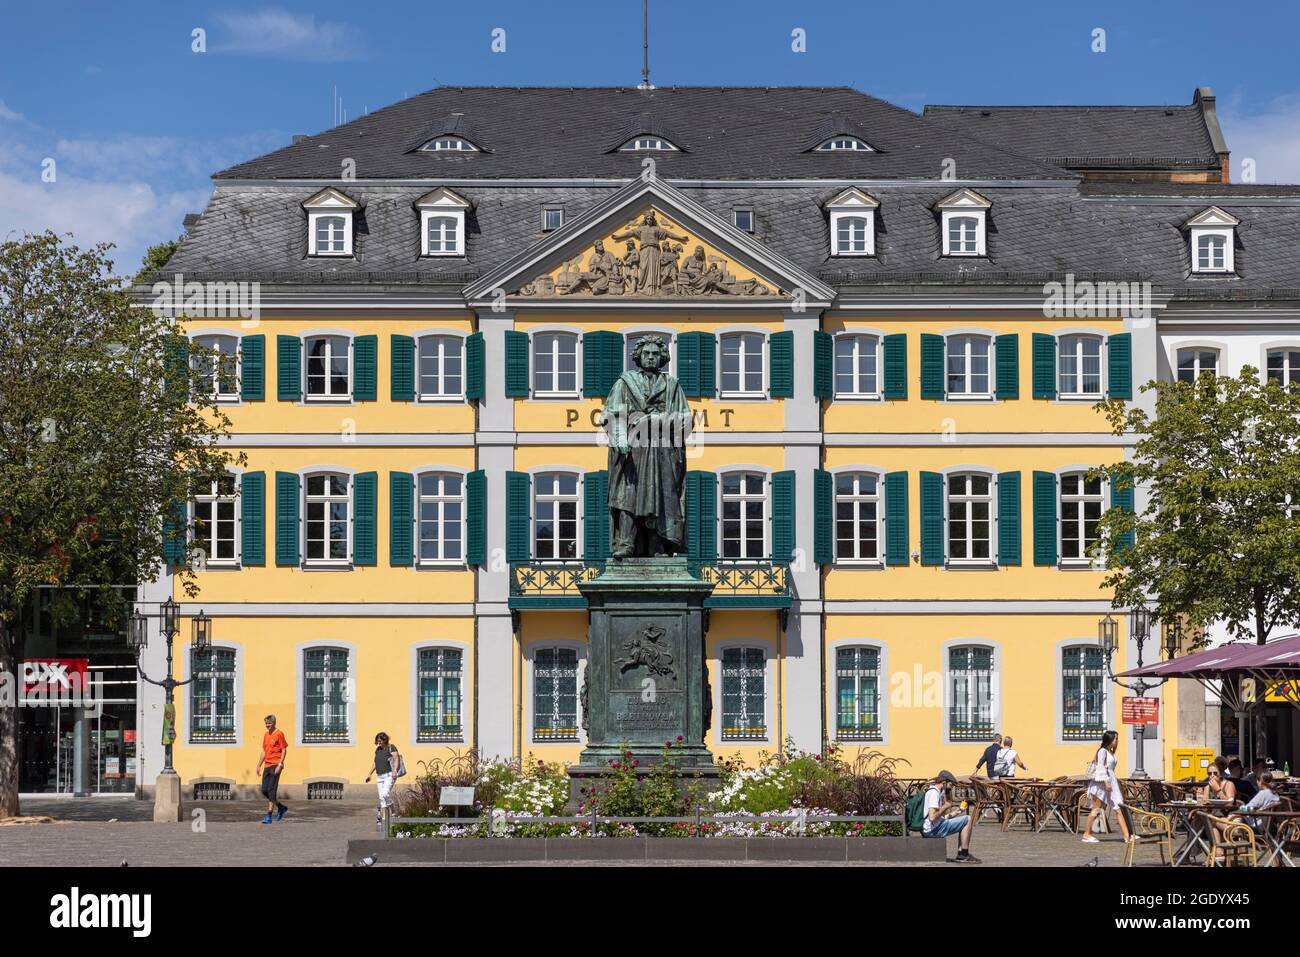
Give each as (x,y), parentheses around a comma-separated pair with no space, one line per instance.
(106,831)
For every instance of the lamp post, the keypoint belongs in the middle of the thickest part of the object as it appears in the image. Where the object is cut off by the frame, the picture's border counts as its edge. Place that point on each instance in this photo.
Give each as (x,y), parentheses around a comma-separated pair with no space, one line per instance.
(167,790)
(1139,630)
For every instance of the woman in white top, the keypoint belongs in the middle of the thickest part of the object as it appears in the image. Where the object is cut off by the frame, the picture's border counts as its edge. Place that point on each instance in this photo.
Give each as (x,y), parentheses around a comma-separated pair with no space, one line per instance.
(1106,795)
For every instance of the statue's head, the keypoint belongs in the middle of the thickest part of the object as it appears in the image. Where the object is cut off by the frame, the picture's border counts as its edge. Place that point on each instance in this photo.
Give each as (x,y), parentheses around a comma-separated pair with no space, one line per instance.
(650,353)
(699,252)
(600,246)
(650,217)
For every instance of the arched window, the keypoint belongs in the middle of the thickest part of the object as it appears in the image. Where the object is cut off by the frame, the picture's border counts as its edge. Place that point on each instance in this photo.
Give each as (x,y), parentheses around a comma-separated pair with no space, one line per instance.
(329,369)
(212,696)
(331,235)
(857,693)
(852,235)
(970,518)
(324,695)
(555,516)
(439,695)
(969,359)
(442,235)
(442,517)
(970,708)
(555,364)
(857,367)
(744,694)
(857,517)
(1079,359)
(741,364)
(217,363)
(555,694)
(1083,693)
(963,236)
(442,366)
(1211,252)
(744,515)
(329,508)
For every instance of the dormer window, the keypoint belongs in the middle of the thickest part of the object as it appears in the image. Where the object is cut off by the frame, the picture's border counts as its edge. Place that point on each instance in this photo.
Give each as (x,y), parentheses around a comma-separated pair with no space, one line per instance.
(648,143)
(962,222)
(853,223)
(552,218)
(449,144)
(840,144)
(442,223)
(1211,233)
(329,223)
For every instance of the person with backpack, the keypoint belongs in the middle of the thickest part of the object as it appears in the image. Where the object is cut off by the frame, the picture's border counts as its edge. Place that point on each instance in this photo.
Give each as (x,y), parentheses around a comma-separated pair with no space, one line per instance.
(387,767)
(1008,760)
(935,814)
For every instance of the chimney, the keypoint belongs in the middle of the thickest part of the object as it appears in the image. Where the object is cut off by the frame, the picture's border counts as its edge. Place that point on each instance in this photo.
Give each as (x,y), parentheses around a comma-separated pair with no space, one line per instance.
(298,138)
(191,219)
(1204,98)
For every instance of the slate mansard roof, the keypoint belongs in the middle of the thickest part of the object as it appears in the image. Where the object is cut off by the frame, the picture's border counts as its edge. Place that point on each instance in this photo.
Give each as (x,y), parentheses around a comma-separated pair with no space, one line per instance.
(741,148)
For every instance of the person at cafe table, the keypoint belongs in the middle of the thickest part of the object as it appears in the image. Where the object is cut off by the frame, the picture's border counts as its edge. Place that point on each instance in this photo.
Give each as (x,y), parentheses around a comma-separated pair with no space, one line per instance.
(1219,787)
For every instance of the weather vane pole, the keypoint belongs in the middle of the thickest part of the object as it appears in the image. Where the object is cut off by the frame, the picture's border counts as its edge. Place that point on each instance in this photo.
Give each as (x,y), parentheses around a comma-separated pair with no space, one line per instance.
(645,47)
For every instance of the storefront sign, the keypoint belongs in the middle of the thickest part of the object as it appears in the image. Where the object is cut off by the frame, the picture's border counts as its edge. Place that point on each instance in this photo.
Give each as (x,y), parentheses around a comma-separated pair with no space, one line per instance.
(54,676)
(1141,710)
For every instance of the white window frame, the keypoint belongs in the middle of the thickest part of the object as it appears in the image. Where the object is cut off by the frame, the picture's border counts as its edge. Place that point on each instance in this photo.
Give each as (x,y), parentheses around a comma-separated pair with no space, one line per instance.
(950,690)
(991,343)
(1086,734)
(313,220)
(209,341)
(844,143)
(970,499)
(237,680)
(978,216)
(442,338)
(869,232)
(557,499)
(327,396)
(555,393)
(214,498)
(426,218)
(327,499)
(861,341)
(857,498)
(744,335)
(558,211)
(1081,498)
(449,144)
(1197,368)
(441,500)
(349,699)
(764,495)
(767,679)
(439,737)
(1061,340)
(881,677)
(736,213)
(1204,232)
(580,655)
(1290,371)
(648,142)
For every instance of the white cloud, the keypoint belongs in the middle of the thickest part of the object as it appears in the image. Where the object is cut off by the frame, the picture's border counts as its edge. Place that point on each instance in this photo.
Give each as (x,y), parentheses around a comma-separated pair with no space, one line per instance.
(8,114)
(278,33)
(1270,137)
(161,156)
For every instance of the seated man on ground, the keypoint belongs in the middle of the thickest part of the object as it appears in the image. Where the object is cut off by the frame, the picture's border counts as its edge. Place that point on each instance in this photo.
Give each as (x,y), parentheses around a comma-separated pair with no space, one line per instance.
(944,816)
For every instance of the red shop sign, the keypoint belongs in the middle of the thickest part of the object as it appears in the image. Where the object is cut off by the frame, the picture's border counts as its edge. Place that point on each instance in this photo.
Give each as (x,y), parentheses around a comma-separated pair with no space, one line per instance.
(54,676)
(1141,710)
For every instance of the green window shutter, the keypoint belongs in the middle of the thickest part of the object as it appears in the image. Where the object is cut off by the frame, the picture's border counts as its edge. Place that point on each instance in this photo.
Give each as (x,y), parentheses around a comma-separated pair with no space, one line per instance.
(1044,518)
(252,518)
(932,348)
(365,492)
(595,518)
(701,517)
(401,521)
(1044,347)
(474,381)
(365,368)
(402,368)
(780,365)
(1119,365)
(1006,350)
(288,369)
(176,368)
(896,530)
(823,517)
(519,516)
(252,368)
(1122,498)
(894,349)
(783,522)
(286,518)
(708,364)
(932,544)
(516,364)
(1008,518)
(696,353)
(175,533)
(476,517)
(823,364)
(602,362)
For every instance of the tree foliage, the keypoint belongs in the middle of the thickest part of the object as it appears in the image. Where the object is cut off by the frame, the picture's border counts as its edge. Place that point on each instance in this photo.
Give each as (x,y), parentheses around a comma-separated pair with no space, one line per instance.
(101,435)
(155,258)
(1216,540)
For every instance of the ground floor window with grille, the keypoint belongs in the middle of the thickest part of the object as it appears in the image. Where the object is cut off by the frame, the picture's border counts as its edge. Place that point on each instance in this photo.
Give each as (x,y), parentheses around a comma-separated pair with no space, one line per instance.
(325,695)
(744,694)
(555,694)
(1083,693)
(857,683)
(212,696)
(970,676)
(440,699)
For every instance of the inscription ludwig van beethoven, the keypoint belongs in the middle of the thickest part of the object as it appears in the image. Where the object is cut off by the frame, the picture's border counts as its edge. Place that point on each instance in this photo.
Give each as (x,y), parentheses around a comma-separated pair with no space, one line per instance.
(643,649)
(647,419)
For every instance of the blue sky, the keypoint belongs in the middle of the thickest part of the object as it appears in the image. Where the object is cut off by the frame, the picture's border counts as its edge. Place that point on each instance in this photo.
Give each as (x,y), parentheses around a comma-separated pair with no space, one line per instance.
(136,121)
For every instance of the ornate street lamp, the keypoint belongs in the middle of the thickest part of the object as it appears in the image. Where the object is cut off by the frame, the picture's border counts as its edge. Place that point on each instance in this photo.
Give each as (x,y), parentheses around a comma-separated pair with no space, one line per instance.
(169,621)
(1139,630)
(1108,633)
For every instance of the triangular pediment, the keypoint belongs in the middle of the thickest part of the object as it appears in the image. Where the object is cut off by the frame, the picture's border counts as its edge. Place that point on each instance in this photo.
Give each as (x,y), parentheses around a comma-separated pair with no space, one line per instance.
(1213,216)
(853,198)
(442,198)
(649,243)
(330,198)
(963,199)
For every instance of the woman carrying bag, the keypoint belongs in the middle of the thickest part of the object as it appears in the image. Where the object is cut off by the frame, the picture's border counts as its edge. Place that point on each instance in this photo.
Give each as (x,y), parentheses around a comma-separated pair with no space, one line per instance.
(1103,787)
(389,767)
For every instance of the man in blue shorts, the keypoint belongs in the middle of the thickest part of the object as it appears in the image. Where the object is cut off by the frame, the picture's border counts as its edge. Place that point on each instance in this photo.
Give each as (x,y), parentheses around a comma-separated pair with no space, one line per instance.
(944,816)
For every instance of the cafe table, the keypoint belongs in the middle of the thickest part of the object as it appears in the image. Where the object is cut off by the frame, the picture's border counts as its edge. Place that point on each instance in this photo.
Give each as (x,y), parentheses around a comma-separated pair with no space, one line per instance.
(1191,815)
(1271,835)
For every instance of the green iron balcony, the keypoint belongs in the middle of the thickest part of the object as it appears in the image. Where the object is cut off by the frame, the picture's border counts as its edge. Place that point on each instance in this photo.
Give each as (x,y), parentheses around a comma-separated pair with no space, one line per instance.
(751,583)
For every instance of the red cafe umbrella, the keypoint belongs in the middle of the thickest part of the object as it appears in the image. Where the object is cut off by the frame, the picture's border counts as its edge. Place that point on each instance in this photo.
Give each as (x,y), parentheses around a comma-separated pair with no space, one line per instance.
(1274,664)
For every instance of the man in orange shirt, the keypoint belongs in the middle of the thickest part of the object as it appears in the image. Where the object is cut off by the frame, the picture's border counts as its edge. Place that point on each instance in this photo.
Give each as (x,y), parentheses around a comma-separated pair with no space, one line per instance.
(273,748)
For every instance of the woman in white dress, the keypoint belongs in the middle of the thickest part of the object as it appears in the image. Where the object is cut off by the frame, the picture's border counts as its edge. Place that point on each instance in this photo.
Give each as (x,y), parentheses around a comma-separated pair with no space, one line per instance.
(1106,796)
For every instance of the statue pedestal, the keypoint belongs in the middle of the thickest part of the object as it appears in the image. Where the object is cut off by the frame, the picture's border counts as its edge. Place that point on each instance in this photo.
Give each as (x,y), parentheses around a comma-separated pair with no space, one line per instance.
(645,682)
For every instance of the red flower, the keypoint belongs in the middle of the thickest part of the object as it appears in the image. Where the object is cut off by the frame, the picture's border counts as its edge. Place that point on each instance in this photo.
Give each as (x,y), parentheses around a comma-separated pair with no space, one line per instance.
(679,738)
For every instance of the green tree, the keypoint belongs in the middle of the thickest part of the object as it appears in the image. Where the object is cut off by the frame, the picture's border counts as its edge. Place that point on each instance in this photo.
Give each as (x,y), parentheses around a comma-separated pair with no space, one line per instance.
(100,437)
(1216,540)
(155,258)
